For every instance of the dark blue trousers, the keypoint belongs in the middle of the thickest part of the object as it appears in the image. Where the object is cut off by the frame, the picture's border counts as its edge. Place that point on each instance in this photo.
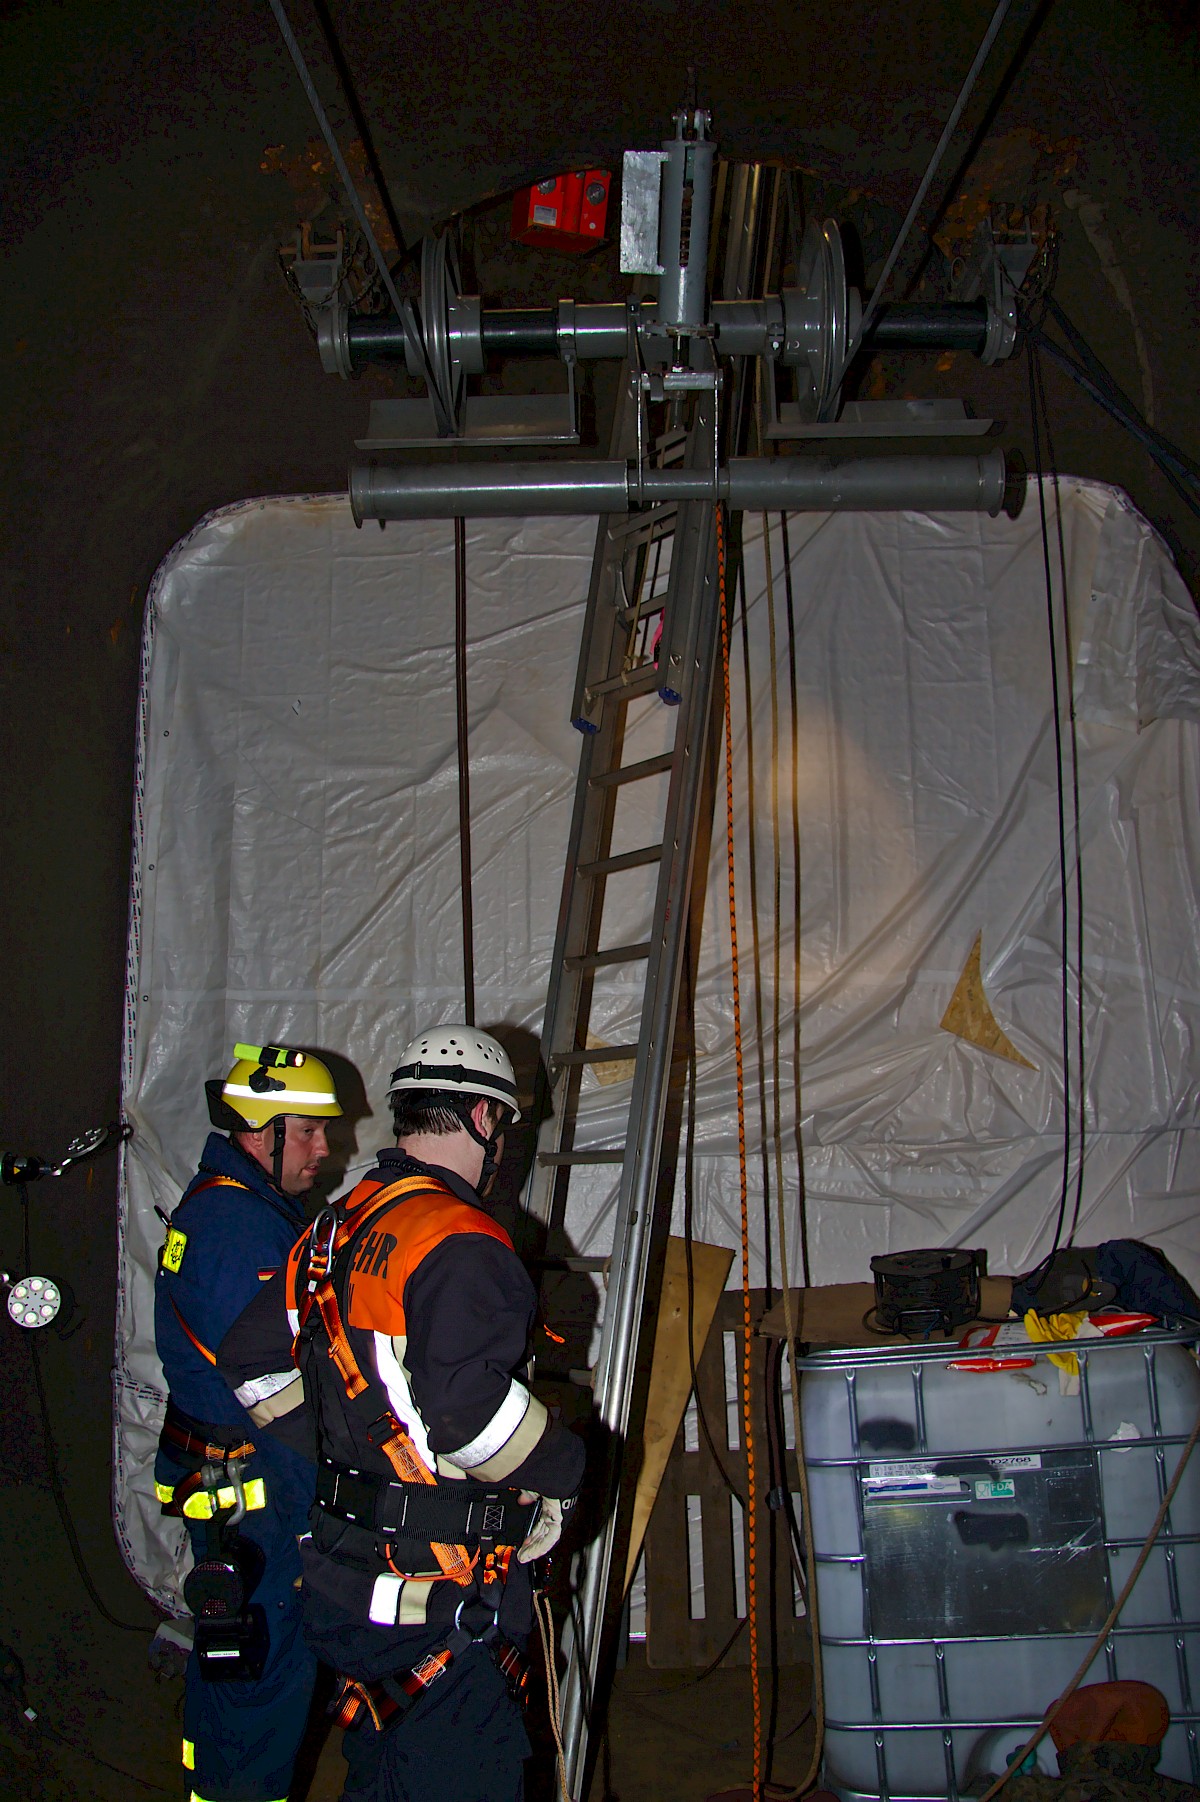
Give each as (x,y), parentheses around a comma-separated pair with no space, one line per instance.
(464,1740)
(245,1735)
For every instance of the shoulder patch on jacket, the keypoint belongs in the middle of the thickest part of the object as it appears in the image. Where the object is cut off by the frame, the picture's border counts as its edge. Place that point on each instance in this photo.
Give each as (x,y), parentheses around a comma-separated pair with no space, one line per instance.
(173,1250)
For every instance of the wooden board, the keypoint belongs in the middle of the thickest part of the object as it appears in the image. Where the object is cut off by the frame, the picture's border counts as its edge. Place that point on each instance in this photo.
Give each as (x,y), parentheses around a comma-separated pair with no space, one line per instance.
(834,1313)
(674,1639)
(670,1368)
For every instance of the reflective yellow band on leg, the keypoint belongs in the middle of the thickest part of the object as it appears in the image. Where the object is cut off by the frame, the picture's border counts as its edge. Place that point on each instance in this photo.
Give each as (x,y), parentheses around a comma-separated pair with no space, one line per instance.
(200,1505)
(165,1492)
(189,1755)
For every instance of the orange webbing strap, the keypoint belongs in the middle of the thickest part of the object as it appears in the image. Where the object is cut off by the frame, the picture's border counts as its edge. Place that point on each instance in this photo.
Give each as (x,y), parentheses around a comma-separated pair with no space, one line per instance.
(747,1322)
(339,1345)
(210,1182)
(454,1561)
(198,1343)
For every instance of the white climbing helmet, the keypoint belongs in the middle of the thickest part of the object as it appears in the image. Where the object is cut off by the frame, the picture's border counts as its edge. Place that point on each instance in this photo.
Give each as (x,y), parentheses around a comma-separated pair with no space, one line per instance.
(458,1059)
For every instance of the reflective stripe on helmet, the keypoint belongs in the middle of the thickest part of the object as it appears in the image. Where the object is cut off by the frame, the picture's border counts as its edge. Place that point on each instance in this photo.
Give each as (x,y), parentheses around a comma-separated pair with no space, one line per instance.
(295,1097)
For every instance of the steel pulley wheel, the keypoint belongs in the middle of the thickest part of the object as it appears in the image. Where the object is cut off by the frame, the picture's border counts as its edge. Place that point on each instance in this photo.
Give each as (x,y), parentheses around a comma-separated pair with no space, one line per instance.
(440,287)
(836,336)
(822,311)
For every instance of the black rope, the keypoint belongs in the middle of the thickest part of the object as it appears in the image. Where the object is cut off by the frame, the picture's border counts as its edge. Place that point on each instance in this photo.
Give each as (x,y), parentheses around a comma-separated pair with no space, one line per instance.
(1073,735)
(689,1202)
(1056,707)
(464,768)
(56,1483)
(794,722)
(1169,459)
(55,1733)
(755,936)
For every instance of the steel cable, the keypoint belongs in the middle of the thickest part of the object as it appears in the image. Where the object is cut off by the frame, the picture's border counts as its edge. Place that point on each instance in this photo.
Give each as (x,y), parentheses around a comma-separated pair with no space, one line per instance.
(918,200)
(404,312)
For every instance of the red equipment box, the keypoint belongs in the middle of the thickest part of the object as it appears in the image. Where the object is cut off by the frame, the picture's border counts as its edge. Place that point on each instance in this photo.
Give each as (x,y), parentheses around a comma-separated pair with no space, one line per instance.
(566,213)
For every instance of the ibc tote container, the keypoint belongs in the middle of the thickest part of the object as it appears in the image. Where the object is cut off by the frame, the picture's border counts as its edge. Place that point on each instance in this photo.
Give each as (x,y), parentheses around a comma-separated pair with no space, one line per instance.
(971,1531)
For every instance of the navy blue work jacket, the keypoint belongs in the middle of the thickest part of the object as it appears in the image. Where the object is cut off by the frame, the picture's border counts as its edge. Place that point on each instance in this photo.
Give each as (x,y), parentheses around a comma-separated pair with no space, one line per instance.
(237,1238)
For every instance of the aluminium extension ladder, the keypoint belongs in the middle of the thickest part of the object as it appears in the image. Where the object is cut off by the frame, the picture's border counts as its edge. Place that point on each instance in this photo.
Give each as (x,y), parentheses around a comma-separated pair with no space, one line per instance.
(613,672)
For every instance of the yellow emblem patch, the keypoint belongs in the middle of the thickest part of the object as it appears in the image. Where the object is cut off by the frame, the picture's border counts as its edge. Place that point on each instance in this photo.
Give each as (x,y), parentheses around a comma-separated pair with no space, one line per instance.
(174,1249)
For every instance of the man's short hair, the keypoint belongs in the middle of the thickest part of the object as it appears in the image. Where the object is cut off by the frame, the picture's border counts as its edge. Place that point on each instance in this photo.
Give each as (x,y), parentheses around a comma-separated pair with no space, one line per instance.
(430,1111)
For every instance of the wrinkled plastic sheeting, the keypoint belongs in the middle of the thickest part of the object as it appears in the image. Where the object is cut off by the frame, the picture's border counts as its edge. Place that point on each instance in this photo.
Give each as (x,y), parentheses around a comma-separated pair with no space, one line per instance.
(297,872)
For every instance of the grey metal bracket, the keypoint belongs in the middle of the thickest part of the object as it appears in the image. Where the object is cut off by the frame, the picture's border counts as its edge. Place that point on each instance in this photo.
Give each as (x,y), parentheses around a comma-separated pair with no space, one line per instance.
(485,419)
(883,419)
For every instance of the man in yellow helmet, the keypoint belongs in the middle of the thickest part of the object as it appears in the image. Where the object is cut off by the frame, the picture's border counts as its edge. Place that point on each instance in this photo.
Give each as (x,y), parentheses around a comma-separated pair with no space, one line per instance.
(245,1496)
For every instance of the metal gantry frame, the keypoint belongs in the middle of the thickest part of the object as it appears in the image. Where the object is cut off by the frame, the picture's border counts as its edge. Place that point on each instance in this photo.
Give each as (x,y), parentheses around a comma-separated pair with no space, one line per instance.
(688,359)
(690,362)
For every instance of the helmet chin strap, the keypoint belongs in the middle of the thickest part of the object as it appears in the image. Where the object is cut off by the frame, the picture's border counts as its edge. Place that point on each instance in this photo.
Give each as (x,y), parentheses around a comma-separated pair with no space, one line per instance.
(490,1146)
(280,1125)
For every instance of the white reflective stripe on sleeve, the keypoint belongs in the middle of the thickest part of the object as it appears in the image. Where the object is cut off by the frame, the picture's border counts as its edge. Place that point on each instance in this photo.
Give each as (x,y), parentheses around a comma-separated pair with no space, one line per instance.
(275,1406)
(498,1431)
(393,1372)
(257,1389)
(293,1315)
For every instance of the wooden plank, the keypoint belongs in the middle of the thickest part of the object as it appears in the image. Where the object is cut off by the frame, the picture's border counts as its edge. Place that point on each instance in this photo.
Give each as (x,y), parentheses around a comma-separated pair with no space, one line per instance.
(674,1640)
(833,1314)
(670,1369)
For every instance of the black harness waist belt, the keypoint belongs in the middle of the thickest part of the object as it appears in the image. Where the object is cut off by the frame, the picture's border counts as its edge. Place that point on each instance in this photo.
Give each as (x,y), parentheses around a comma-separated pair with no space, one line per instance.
(201,1440)
(445,1513)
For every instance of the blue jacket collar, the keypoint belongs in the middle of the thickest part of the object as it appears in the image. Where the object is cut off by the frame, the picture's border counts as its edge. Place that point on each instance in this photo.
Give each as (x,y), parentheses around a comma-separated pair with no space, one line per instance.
(221,1157)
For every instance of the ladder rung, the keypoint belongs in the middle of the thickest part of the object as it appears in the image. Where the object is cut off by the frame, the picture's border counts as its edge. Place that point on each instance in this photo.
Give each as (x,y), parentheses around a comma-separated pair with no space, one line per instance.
(634,772)
(644,610)
(595,1054)
(599,960)
(640,681)
(623,860)
(580,1157)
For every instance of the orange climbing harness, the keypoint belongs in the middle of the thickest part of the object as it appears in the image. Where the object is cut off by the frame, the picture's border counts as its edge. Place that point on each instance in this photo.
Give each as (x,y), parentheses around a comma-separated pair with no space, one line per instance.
(388,1434)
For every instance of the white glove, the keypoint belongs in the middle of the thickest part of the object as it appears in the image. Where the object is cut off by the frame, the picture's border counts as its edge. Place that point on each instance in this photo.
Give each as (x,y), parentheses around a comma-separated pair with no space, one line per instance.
(545,1532)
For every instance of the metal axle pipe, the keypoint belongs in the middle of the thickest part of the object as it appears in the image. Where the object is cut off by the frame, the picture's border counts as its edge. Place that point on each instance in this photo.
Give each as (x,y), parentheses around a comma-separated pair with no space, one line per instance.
(742,327)
(986,484)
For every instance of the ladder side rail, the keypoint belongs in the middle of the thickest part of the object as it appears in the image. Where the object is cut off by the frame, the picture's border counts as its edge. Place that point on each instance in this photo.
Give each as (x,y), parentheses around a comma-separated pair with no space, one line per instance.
(691,665)
(580,904)
(695,561)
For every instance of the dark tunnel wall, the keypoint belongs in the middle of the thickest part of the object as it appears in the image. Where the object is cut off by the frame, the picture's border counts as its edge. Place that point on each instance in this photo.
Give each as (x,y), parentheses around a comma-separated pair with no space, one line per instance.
(154,367)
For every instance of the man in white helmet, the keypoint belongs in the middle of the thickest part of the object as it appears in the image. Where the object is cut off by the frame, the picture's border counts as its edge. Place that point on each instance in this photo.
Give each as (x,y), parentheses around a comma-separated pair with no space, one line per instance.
(250,1676)
(440,1477)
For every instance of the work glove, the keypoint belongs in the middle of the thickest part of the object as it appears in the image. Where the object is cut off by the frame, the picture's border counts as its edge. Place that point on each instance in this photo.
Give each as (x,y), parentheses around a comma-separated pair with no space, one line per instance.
(546,1530)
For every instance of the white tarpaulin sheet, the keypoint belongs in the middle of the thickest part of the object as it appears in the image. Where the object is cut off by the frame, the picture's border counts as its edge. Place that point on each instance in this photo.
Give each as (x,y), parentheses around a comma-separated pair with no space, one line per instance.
(296,870)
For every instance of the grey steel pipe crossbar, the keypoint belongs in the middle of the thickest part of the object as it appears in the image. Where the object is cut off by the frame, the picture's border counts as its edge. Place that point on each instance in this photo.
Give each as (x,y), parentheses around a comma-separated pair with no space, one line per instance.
(601,330)
(985,484)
